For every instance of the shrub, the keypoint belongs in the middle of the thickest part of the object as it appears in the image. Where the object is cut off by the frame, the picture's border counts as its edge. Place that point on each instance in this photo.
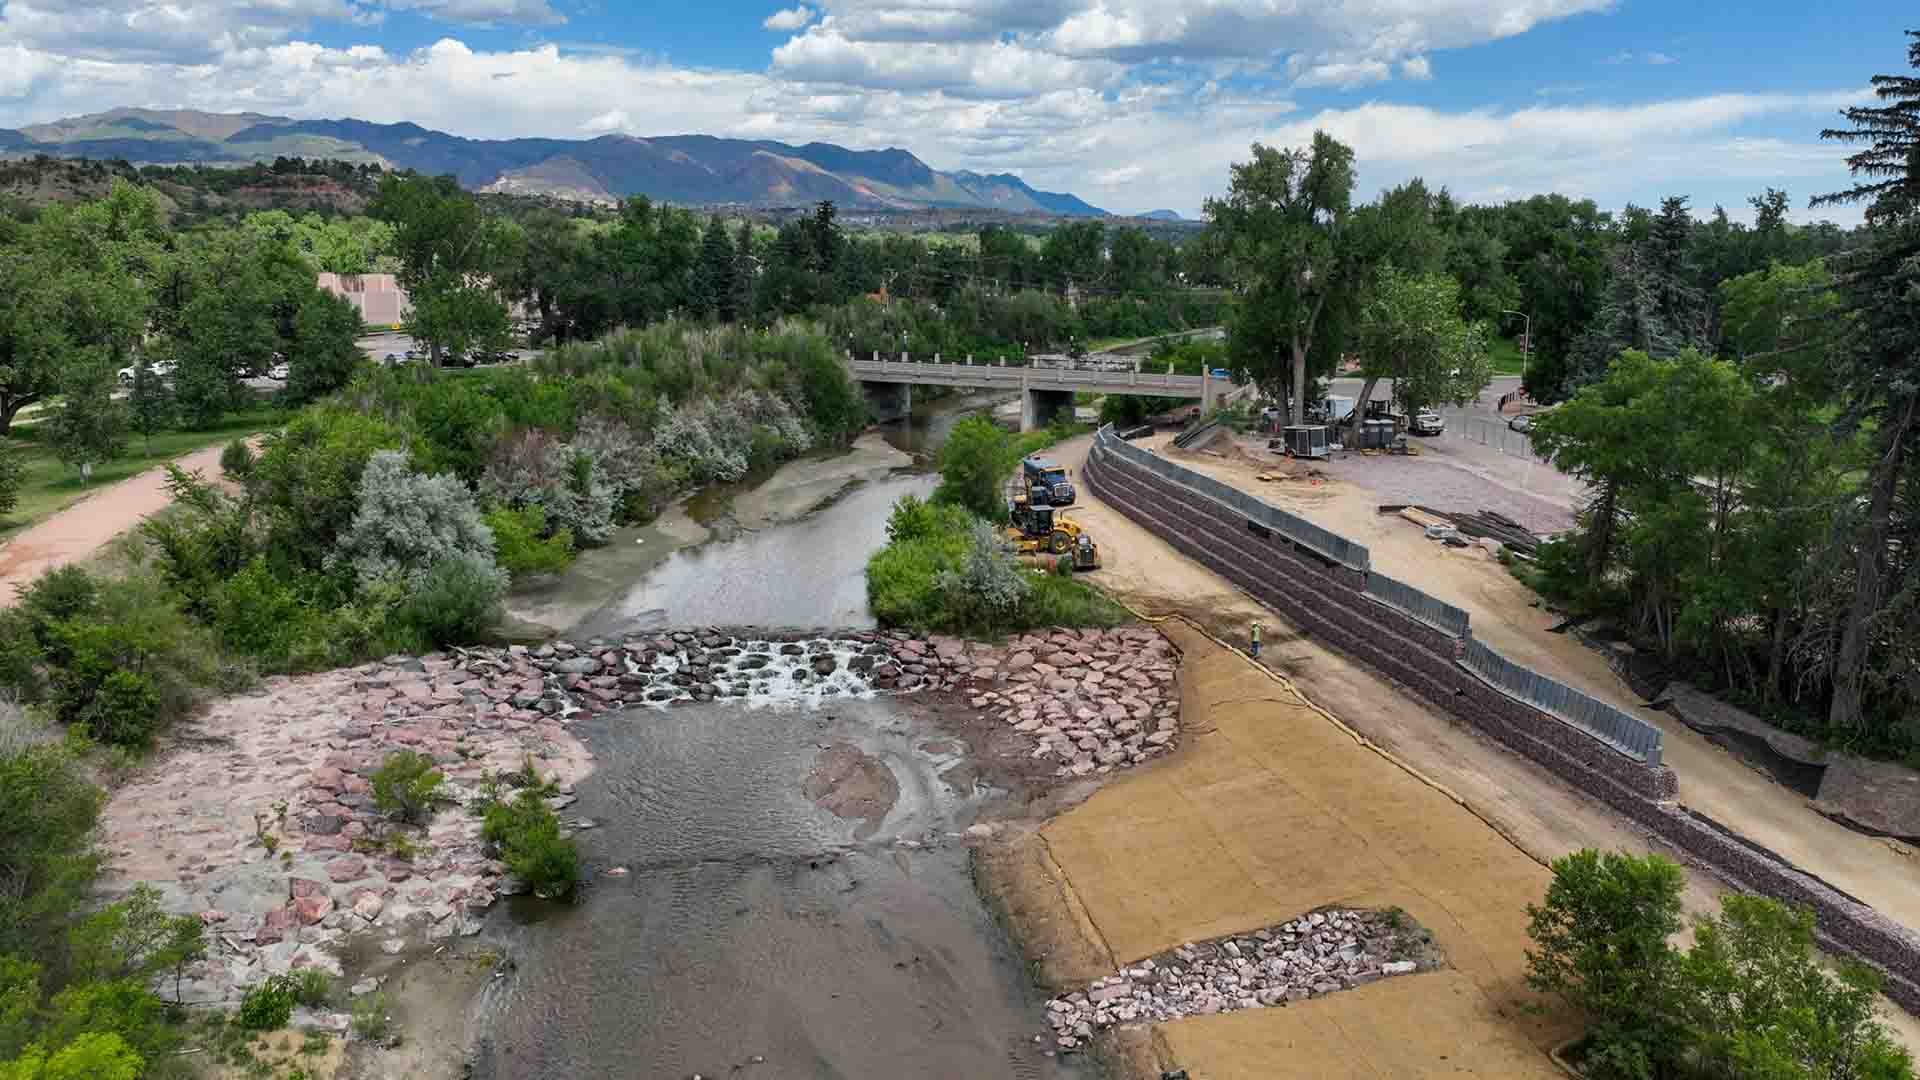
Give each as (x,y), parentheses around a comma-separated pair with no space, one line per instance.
(123,711)
(47,855)
(407,523)
(527,834)
(92,1056)
(373,623)
(405,785)
(988,584)
(201,541)
(1601,944)
(267,1006)
(307,479)
(532,468)
(521,544)
(131,664)
(458,601)
(257,612)
(311,987)
(912,518)
(460,425)
(236,461)
(10,478)
(370,1020)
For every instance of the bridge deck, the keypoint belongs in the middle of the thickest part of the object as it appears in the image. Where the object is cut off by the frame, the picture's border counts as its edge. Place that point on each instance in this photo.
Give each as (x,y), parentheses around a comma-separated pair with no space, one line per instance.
(1038,378)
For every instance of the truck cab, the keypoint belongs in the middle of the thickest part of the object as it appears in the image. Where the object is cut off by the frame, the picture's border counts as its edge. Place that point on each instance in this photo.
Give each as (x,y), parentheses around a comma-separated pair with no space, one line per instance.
(1047,483)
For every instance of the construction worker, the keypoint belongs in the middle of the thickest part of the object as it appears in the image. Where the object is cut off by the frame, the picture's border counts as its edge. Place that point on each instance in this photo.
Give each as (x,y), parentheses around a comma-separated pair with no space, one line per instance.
(1256,641)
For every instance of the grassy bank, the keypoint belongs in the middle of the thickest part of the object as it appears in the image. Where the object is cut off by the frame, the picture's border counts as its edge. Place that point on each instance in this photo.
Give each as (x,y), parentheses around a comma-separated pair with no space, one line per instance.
(49,485)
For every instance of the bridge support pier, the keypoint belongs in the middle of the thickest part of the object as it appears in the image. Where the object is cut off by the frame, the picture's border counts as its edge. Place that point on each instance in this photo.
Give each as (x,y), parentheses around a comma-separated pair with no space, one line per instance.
(1038,408)
(889,400)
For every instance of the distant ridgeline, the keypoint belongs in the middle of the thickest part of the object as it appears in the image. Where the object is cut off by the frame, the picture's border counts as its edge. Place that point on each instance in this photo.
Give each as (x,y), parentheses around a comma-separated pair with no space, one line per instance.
(684,169)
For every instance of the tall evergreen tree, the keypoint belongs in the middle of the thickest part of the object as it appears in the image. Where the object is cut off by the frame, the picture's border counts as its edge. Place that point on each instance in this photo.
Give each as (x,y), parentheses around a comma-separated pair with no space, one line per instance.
(1652,302)
(716,294)
(1881,283)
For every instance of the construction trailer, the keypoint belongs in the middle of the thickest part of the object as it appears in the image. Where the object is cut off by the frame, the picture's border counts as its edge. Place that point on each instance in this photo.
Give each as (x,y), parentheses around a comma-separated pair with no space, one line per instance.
(1305,440)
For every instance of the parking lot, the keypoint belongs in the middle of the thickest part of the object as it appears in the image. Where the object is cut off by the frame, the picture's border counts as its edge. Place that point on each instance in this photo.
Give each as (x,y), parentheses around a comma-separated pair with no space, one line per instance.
(392,343)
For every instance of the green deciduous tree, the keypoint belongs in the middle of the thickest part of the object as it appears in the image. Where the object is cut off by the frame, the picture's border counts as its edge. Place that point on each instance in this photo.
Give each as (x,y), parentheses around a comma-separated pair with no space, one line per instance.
(1748,1001)
(150,406)
(88,425)
(1282,218)
(47,858)
(449,250)
(1600,942)
(975,464)
(322,351)
(1411,332)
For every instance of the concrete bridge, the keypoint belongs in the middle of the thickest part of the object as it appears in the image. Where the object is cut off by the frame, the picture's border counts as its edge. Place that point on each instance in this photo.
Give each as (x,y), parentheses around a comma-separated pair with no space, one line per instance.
(1045,391)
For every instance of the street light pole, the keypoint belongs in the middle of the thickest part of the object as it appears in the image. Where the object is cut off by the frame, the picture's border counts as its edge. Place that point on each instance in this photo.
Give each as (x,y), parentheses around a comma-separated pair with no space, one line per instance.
(1526,351)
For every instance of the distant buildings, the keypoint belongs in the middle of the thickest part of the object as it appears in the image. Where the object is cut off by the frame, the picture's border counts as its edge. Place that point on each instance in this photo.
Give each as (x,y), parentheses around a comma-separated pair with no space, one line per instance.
(378,297)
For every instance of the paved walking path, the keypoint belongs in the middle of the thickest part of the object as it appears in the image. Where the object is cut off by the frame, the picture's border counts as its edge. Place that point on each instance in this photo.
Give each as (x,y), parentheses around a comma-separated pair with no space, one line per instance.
(81,530)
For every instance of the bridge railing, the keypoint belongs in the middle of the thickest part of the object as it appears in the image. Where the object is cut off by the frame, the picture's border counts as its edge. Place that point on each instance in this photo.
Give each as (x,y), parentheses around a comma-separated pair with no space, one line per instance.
(1016,375)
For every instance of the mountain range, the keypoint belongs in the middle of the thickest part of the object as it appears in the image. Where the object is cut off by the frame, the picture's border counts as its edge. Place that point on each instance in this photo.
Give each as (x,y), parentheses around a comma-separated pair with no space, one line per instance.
(684,169)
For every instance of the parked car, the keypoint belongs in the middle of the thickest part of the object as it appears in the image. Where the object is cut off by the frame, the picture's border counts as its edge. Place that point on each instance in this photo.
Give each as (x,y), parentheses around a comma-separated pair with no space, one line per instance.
(162,368)
(1521,423)
(1427,422)
(393,358)
(279,371)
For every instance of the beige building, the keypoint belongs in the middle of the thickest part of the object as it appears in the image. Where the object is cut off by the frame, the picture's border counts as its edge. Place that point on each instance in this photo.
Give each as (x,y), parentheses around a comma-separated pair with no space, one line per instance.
(378,297)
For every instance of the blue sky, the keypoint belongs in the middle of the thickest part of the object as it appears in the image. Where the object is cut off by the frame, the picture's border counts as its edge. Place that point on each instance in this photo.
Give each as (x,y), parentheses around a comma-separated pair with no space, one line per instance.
(1133,104)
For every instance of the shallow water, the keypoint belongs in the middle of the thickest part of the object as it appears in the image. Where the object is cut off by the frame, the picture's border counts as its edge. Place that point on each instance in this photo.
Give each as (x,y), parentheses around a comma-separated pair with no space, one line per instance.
(809,572)
(755,933)
(753,924)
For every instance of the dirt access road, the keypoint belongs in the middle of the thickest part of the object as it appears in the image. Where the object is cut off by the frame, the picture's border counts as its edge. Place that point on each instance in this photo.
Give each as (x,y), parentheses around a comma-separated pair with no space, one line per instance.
(83,529)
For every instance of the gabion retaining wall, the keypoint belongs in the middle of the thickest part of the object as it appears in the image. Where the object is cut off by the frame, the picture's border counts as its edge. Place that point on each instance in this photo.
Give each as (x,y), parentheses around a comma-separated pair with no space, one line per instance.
(1329,602)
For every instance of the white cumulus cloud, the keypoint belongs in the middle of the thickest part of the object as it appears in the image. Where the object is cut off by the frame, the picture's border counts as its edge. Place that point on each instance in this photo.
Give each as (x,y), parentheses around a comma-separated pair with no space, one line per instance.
(788,19)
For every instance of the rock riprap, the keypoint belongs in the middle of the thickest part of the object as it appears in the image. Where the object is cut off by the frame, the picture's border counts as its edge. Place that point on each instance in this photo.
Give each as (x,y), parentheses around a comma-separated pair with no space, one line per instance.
(757,666)
(261,818)
(1093,700)
(1317,954)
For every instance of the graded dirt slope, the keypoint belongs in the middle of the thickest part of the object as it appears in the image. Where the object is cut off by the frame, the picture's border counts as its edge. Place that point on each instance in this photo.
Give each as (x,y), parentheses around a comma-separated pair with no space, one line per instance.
(1273,810)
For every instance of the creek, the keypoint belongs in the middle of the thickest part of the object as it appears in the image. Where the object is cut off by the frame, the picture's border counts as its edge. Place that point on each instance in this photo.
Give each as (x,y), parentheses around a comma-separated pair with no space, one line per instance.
(733,924)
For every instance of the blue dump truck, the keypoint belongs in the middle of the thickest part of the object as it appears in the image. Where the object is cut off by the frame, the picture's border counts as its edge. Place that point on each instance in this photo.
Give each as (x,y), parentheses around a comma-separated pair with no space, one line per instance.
(1047,483)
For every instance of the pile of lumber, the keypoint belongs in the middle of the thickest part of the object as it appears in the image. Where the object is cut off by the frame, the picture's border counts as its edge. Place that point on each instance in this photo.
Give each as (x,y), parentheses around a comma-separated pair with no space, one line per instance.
(1486,524)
